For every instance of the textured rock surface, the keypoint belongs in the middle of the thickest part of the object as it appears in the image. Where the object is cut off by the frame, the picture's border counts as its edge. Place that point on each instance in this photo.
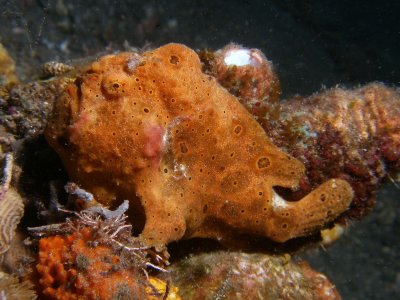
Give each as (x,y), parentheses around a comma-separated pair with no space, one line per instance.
(349,134)
(231,275)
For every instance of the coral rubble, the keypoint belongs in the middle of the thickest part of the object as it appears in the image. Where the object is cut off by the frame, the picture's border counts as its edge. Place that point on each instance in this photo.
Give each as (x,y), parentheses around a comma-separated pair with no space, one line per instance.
(157,127)
(232,275)
(25,107)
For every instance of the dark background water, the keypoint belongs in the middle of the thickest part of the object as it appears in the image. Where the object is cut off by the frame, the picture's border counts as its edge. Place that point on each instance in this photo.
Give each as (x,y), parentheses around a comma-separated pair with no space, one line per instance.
(313,44)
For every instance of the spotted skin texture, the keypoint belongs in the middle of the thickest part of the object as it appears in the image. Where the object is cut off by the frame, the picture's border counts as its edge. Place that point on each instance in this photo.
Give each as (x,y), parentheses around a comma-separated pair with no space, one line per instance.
(167,135)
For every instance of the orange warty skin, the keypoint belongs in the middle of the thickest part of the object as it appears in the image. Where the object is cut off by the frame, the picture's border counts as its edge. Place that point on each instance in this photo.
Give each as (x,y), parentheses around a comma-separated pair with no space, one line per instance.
(154,129)
(69,267)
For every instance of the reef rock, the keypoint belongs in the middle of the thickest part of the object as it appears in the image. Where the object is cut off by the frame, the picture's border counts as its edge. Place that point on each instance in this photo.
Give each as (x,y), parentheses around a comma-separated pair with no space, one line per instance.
(153,128)
(349,134)
(233,275)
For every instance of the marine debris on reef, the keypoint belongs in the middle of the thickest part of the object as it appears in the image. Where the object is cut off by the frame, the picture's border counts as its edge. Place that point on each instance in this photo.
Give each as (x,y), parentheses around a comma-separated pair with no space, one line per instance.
(234,275)
(194,156)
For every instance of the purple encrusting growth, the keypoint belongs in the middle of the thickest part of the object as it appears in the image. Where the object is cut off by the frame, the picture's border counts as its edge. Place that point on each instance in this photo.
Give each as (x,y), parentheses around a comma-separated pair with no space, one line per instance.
(348,134)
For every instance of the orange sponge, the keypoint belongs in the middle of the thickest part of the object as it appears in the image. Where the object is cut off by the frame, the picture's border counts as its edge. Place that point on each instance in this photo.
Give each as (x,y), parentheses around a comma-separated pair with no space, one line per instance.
(76,267)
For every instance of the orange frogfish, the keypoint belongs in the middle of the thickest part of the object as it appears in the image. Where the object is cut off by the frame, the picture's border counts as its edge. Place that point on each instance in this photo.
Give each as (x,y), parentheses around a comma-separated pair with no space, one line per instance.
(154,129)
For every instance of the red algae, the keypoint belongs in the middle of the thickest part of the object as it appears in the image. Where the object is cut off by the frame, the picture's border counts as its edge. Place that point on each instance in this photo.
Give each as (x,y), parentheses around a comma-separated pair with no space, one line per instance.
(349,134)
